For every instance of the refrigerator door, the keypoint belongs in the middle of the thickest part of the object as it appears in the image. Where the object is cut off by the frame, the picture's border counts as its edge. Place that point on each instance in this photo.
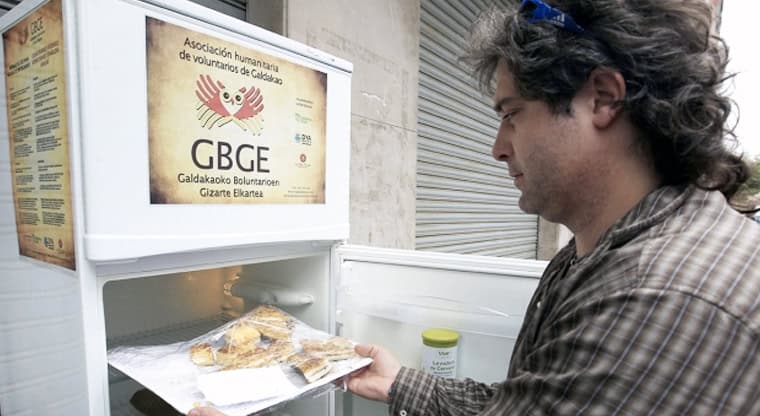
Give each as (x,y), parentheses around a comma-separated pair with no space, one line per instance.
(387,297)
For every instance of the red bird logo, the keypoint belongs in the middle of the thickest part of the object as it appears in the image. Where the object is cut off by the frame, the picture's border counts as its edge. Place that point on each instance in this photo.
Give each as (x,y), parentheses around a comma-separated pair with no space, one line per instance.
(218,105)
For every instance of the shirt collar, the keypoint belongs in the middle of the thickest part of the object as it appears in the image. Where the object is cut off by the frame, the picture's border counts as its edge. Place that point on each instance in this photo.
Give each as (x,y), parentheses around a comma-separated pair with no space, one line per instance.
(651,210)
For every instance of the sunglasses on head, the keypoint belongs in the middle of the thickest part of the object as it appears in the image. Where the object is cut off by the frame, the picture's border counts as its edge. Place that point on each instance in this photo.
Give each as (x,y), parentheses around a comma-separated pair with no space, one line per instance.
(536,11)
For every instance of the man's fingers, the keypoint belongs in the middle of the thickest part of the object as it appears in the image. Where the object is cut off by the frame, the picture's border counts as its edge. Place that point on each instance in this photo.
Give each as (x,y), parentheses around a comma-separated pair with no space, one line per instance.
(205,411)
(357,373)
(366,350)
(354,383)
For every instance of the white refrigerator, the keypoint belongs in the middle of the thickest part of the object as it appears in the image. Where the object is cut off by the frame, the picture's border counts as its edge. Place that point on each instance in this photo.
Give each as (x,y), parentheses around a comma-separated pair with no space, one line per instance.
(165,168)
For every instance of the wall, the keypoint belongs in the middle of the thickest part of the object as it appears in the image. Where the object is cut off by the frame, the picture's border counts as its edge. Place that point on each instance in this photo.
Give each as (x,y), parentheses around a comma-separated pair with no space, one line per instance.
(552,237)
(381,39)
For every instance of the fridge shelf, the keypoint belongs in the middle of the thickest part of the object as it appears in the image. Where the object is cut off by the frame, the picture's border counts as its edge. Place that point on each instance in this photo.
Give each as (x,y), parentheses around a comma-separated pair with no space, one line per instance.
(167,335)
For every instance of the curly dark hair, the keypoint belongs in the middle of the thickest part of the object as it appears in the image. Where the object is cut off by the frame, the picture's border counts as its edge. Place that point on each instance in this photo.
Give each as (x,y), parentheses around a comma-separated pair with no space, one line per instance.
(671,58)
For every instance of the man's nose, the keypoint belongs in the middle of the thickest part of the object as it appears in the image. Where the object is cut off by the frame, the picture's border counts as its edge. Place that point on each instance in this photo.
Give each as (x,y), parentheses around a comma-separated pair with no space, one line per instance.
(502,146)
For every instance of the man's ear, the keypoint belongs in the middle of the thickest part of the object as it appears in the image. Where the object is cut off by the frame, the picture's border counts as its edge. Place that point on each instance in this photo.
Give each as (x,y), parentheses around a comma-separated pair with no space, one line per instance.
(608,91)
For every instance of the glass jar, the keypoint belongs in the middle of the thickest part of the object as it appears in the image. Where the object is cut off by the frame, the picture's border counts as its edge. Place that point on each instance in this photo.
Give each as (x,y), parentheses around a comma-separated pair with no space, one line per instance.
(439,352)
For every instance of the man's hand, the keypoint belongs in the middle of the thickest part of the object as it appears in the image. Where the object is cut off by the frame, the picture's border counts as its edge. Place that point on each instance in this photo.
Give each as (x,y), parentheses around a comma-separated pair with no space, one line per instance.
(373,382)
(204,411)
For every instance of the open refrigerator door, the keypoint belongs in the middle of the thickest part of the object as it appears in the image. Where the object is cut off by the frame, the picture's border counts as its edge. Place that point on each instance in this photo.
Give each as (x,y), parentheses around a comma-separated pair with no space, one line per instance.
(389,297)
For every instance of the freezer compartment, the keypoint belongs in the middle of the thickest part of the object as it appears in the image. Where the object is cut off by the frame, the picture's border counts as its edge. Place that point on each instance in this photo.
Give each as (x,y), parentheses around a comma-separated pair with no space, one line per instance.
(167,308)
(183,182)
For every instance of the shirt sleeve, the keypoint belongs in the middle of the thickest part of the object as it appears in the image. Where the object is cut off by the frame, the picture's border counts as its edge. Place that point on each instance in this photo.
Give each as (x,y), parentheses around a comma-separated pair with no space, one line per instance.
(415,393)
(639,351)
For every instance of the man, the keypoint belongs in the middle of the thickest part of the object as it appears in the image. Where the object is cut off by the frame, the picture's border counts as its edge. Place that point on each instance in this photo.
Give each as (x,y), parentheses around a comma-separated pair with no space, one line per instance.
(613,124)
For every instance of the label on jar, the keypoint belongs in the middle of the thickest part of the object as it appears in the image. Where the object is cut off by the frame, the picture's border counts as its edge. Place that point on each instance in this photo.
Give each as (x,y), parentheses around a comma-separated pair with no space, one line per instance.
(440,361)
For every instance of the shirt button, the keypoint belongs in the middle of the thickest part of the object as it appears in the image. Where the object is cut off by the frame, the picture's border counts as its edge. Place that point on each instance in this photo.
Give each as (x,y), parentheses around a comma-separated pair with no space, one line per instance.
(402,413)
(538,304)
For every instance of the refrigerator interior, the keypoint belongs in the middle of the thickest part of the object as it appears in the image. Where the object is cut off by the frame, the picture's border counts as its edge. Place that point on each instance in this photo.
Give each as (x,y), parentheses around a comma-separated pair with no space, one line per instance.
(165,308)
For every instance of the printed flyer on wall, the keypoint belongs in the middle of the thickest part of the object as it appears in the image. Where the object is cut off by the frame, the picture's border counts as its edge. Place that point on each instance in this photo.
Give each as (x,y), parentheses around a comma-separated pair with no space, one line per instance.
(229,124)
(35,89)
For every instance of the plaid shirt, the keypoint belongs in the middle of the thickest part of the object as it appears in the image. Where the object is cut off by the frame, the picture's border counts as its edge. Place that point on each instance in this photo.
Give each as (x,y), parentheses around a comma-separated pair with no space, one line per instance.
(661,318)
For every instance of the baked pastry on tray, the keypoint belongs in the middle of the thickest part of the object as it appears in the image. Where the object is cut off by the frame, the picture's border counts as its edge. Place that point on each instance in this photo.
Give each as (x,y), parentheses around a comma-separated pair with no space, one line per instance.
(271,322)
(333,349)
(262,338)
(202,354)
(313,368)
(242,334)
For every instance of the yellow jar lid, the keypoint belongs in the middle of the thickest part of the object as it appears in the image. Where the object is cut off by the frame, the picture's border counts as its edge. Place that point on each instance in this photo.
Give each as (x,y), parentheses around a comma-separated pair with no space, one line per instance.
(440,337)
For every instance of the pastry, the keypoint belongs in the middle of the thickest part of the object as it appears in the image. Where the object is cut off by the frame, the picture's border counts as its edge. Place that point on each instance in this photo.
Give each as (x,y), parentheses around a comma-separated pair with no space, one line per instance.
(266,314)
(256,358)
(274,354)
(333,349)
(273,332)
(300,357)
(269,312)
(313,368)
(280,351)
(226,355)
(271,322)
(202,354)
(242,334)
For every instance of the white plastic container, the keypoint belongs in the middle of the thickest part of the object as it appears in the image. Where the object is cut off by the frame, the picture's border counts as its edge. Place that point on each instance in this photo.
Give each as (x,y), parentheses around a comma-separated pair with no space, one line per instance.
(439,352)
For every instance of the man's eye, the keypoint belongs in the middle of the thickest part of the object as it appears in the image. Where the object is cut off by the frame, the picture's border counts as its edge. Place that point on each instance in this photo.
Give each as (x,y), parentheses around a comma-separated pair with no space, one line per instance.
(508,115)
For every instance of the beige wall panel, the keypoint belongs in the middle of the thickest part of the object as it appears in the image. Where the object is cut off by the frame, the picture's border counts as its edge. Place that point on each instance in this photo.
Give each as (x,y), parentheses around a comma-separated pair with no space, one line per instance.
(552,237)
(381,39)
(382,184)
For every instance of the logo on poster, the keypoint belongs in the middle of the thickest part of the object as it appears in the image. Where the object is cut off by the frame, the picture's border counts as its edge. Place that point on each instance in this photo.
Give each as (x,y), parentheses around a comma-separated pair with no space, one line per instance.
(303,139)
(219,105)
(302,161)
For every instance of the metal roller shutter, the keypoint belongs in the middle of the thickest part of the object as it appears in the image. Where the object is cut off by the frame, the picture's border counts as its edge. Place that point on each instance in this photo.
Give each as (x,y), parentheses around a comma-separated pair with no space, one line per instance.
(235,8)
(466,202)
(6,5)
